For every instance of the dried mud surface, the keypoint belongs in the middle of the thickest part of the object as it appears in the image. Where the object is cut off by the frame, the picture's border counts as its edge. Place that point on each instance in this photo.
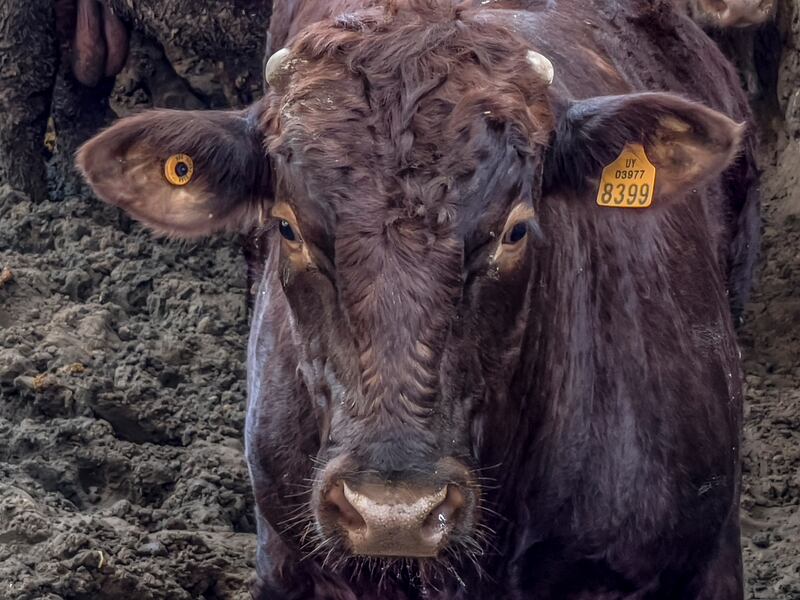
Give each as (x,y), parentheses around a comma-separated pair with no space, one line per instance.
(122,401)
(121,409)
(770,341)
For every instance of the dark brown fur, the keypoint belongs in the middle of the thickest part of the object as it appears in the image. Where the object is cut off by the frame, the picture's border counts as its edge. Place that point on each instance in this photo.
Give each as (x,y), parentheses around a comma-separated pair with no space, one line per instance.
(557,544)
(574,425)
(590,381)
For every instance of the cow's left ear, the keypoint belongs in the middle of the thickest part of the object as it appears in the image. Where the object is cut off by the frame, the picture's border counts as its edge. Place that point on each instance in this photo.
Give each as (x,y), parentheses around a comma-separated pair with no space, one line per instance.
(182,173)
(688,143)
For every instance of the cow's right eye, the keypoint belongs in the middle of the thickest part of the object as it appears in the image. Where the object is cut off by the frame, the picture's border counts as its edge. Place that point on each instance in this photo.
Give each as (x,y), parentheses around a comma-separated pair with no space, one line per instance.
(286,231)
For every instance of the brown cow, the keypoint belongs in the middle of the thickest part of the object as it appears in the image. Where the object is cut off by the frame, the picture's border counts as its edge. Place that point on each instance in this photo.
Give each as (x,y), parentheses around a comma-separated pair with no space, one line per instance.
(469,376)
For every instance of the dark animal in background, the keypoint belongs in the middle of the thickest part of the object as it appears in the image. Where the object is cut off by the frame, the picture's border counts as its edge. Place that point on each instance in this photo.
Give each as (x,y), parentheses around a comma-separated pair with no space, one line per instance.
(45,42)
(99,39)
(466,378)
(730,13)
(746,33)
(60,58)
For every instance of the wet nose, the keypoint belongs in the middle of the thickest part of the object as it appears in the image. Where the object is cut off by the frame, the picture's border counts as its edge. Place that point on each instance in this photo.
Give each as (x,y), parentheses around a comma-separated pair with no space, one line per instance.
(394,520)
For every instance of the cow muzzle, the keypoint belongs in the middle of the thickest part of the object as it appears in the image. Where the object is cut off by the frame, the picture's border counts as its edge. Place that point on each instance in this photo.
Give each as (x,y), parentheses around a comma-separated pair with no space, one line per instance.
(396,518)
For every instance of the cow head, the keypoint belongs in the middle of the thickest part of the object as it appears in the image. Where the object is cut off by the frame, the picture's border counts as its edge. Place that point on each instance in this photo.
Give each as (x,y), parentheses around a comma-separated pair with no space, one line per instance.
(397,166)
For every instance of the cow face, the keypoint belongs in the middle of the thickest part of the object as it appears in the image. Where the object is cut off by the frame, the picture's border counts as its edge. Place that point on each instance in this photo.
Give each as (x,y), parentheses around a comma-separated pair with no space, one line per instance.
(397,166)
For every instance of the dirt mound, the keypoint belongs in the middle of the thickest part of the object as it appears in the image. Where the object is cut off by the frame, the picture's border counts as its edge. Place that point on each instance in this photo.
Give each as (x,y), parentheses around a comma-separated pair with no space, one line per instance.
(121,409)
(771,348)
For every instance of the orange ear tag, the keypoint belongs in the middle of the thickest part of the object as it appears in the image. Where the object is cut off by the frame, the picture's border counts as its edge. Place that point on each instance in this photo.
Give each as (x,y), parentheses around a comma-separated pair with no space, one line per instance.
(179,169)
(629,181)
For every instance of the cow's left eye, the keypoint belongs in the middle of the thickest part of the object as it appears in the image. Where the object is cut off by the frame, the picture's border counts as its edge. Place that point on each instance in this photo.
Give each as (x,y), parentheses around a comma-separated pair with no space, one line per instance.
(286,231)
(516,234)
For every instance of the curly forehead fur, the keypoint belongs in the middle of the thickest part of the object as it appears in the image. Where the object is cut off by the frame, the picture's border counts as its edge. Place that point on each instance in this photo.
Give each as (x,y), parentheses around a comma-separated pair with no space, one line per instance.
(410,90)
(406,130)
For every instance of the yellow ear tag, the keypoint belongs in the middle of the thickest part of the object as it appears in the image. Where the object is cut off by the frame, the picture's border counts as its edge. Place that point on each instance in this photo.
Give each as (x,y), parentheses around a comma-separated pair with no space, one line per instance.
(179,169)
(629,181)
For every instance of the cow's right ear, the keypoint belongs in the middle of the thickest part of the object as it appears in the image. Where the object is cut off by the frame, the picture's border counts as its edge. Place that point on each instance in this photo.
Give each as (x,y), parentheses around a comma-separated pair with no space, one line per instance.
(182,173)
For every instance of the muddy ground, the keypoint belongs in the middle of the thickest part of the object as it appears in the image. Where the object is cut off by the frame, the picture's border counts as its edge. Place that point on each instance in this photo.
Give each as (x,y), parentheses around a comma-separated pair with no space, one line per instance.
(770,342)
(122,397)
(122,383)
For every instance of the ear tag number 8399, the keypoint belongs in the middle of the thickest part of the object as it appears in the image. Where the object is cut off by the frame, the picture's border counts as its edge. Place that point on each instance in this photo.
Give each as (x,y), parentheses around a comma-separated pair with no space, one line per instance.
(629,181)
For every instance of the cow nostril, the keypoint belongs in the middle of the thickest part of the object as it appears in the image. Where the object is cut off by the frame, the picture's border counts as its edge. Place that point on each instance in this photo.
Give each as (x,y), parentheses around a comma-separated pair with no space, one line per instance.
(444,514)
(400,520)
(348,517)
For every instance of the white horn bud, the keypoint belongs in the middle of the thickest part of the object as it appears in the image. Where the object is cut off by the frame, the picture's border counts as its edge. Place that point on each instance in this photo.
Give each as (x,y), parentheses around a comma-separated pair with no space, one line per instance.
(277,69)
(542,65)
